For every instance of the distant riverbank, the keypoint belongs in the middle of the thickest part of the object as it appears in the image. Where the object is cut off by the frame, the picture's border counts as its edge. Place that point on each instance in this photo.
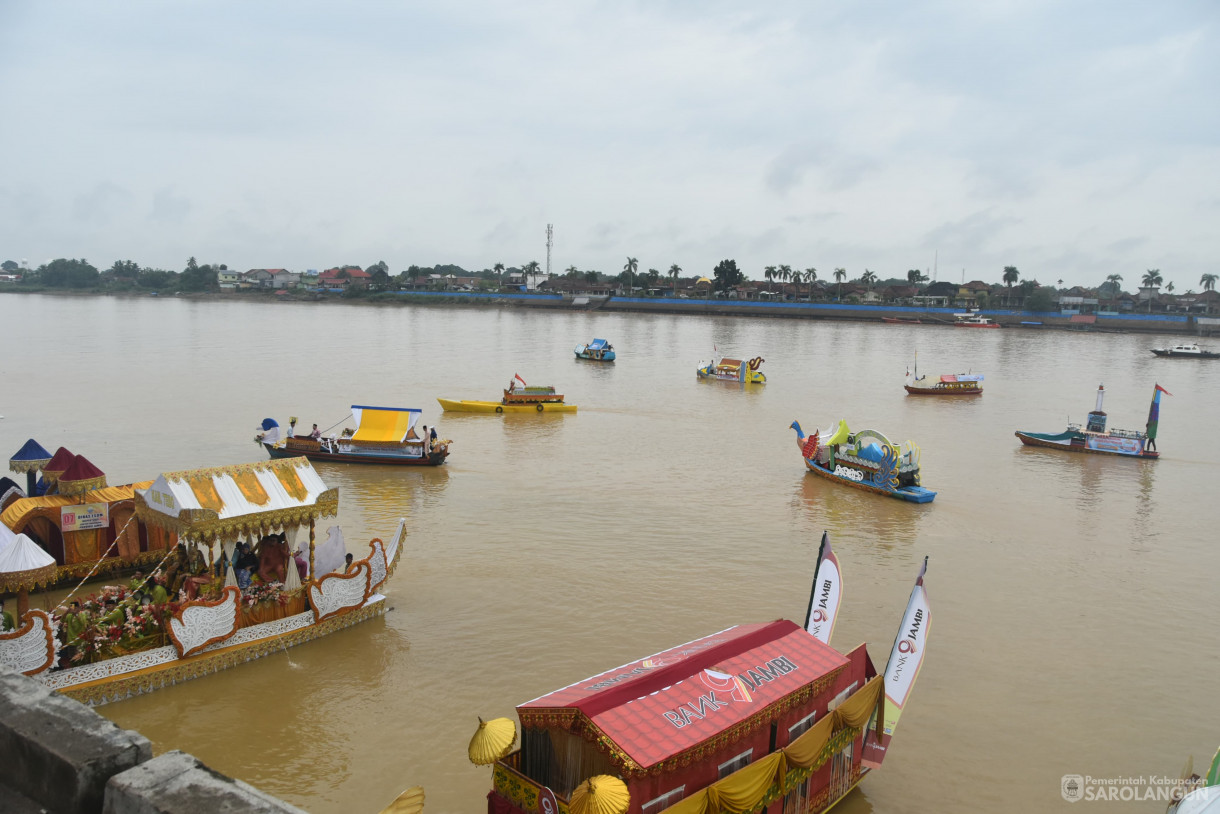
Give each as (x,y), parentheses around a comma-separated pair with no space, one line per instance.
(1008,318)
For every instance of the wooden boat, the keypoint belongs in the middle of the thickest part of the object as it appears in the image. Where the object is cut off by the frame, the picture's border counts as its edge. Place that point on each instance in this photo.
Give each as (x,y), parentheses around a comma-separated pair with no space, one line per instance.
(599,350)
(1190,351)
(145,647)
(382,435)
(756,717)
(524,399)
(1095,438)
(734,370)
(897,321)
(953,384)
(864,460)
(973,321)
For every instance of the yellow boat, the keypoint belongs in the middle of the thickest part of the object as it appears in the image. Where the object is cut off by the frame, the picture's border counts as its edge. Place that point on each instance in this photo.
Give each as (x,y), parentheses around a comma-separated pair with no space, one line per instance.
(466,406)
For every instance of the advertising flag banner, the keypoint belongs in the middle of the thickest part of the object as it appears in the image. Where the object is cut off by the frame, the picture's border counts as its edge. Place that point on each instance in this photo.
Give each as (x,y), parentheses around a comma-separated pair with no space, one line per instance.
(1154,410)
(826,594)
(901,670)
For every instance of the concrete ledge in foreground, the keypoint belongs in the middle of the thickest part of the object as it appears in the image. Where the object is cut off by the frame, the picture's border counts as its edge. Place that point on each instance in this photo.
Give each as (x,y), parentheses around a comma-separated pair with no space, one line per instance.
(56,751)
(178,783)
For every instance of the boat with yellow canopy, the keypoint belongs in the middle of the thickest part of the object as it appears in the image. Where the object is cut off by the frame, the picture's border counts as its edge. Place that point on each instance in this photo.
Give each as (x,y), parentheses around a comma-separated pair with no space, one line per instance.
(383,435)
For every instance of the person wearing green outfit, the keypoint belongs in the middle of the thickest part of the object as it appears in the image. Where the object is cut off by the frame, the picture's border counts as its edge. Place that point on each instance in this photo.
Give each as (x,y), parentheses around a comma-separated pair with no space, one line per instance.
(6,619)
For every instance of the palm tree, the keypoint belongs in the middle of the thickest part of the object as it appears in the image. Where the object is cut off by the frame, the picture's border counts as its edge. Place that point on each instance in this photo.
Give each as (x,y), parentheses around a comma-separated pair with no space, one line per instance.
(1010,277)
(1152,279)
(811,275)
(674,271)
(868,278)
(1208,281)
(769,273)
(498,268)
(630,267)
(1169,287)
(915,277)
(840,273)
(1112,285)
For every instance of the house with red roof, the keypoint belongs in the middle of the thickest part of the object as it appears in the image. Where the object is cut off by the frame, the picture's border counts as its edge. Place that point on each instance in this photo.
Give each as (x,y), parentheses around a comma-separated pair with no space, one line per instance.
(344,277)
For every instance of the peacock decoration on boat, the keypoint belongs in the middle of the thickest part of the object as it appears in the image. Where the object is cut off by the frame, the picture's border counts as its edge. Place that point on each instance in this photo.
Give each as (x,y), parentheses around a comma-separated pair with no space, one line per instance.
(865,459)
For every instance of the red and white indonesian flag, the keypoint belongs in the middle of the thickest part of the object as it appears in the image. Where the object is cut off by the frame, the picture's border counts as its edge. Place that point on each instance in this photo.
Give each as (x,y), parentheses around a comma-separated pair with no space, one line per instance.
(902,669)
(826,595)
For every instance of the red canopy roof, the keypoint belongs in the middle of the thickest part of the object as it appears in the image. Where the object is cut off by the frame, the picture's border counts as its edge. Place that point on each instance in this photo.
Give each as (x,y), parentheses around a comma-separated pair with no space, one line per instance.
(662,705)
(80,469)
(59,461)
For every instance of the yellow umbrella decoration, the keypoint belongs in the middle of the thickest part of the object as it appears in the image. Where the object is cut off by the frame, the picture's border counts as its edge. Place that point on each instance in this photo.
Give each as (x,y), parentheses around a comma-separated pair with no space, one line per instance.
(493,740)
(601,794)
(410,801)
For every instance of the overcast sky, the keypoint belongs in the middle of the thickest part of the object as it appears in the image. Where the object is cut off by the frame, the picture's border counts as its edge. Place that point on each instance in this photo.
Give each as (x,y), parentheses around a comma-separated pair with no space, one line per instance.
(1070,139)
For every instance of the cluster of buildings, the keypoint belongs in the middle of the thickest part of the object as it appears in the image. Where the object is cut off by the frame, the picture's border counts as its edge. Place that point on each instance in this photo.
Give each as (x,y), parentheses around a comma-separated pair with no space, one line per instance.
(966,295)
(283,279)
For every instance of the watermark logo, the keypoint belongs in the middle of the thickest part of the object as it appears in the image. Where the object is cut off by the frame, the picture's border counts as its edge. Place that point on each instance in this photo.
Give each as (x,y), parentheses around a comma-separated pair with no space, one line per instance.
(1077,787)
(1072,787)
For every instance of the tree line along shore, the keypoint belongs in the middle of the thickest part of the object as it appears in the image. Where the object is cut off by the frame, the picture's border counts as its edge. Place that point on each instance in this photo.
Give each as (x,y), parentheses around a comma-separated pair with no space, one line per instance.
(782,293)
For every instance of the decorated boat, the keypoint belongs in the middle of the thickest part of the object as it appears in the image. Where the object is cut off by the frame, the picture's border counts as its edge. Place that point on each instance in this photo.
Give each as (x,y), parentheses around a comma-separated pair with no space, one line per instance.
(1095,438)
(973,320)
(87,527)
(865,460)
(756,717)
(382,435)
(213,601)
(1190,351)
(516,399)
(734,370)
(599,350)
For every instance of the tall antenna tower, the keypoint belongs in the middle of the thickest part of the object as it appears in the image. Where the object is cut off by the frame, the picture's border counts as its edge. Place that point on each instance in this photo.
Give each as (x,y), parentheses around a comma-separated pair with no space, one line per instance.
(550,241)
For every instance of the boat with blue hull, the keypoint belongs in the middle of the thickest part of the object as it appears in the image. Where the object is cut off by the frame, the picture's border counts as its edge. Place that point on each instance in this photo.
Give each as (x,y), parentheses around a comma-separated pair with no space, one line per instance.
(864,460)
(599,350)
(1094,438)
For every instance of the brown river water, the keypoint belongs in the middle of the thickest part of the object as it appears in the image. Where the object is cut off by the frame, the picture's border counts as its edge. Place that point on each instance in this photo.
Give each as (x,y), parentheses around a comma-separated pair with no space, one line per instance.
(1073,627)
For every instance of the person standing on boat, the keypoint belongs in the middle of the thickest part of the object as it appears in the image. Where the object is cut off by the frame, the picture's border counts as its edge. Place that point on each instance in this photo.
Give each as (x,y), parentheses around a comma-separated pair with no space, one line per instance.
(316,434)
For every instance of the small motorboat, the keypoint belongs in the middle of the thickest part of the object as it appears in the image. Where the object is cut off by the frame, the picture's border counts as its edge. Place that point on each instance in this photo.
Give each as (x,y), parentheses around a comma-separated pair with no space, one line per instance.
(599,350)
(1190,351)
(973,321)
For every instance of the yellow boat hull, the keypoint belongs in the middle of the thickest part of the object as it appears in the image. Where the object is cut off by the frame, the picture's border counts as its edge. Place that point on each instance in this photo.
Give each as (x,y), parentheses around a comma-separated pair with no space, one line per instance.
(464,406)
